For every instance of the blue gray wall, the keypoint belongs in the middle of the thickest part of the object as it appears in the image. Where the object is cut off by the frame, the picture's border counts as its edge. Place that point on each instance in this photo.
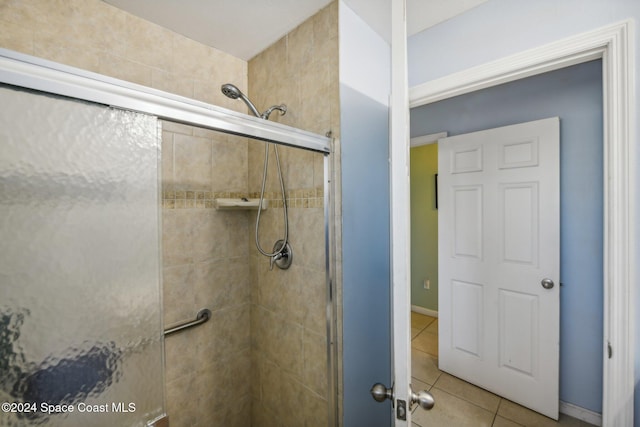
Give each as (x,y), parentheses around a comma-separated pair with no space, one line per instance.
(365,236)
(364,117)
(575,95)
(499,28)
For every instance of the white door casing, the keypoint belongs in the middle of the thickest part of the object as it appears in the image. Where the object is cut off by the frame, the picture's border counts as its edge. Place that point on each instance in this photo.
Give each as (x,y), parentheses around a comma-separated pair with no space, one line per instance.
(498,239)
(400,216)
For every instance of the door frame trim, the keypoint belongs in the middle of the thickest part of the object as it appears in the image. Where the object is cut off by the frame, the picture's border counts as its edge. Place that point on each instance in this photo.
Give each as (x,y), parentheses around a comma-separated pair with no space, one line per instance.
(614,45)
(400,215)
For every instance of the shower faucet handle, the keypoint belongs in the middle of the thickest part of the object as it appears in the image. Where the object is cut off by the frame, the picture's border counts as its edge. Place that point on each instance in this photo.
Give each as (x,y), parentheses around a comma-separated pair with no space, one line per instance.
(283,255)
(273,260)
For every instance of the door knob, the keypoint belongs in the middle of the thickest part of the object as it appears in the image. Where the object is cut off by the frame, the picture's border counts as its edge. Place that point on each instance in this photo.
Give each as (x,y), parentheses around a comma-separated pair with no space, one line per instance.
(423,398)
(380,392)
(547,283)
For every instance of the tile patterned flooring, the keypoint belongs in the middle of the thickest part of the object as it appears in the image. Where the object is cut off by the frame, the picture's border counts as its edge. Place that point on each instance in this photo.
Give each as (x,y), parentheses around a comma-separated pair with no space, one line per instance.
(459,403)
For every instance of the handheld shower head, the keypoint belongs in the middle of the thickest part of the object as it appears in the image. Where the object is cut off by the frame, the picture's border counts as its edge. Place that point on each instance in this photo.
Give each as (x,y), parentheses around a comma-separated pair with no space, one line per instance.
(232,91)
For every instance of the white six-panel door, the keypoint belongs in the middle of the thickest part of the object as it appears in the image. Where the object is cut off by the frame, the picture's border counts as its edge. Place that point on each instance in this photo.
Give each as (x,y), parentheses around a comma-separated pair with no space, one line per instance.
(498,225)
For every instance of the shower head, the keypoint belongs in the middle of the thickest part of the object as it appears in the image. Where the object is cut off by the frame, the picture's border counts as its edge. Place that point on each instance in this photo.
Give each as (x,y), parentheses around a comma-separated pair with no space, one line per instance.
(282,108)
(232,91)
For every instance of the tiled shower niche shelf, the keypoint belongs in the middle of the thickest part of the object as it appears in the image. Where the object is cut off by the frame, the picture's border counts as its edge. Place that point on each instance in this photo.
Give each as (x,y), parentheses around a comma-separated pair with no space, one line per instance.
(239,204)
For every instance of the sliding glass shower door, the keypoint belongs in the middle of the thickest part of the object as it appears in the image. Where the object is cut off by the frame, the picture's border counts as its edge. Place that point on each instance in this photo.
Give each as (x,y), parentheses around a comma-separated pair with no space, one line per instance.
(80,321)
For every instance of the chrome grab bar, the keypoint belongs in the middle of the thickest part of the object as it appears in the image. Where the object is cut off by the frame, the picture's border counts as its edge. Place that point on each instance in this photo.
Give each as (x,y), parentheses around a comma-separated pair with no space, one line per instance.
(202,316)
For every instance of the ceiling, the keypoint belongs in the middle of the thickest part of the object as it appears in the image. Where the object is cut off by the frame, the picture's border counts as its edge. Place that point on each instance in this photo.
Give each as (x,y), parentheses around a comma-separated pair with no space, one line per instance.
(244,28)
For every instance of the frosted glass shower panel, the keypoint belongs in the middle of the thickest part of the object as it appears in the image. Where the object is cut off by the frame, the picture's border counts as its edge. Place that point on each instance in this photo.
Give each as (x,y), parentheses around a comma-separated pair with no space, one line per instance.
(80,321)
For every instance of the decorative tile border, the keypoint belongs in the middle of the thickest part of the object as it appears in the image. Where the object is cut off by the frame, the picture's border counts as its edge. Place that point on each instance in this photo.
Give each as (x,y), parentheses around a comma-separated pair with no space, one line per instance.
(189,199)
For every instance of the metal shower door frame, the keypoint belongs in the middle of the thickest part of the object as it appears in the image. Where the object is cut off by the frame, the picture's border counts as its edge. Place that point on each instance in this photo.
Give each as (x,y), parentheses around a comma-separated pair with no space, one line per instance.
(38,74)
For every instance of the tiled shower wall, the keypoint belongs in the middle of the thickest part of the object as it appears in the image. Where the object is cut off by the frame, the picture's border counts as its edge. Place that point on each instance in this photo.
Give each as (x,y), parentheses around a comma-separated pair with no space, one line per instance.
(205,257)
(95,36)
(288,312)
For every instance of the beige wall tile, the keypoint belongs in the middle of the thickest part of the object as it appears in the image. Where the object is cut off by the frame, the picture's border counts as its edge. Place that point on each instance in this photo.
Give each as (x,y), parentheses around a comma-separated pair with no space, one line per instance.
(314,409)
(145,43)
(315,362)
(228,332)
(210,235)
(74,54)
(191,58)
(272,379)
(280,293)
(182,407)
(325,23)
(232,244)
(178,362)
(307,229)
(172,127)
(16,37)
(26,13)
(166,160)
(314,295)
(179,300)
(221,283)
(230,165)
(318,171)
(192,162)
(214,135)
(209,91)
(112,28)
(298,176)
(176,237)
(172,83)
(301,44)
(70,21)
(234,378)
(265,69)
(255,160)
(124,69)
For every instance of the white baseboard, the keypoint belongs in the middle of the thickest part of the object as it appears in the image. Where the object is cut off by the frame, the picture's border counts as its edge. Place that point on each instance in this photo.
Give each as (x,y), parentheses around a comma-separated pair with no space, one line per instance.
(581,413)
(424,311)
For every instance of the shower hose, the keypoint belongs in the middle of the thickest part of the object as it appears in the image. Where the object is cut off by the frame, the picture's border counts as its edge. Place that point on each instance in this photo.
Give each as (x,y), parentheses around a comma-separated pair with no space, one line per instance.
(284,203)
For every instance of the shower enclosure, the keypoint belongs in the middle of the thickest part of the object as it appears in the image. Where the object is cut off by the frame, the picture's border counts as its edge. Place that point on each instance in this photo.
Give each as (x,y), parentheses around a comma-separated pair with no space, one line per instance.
(118,225)
(266,343)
